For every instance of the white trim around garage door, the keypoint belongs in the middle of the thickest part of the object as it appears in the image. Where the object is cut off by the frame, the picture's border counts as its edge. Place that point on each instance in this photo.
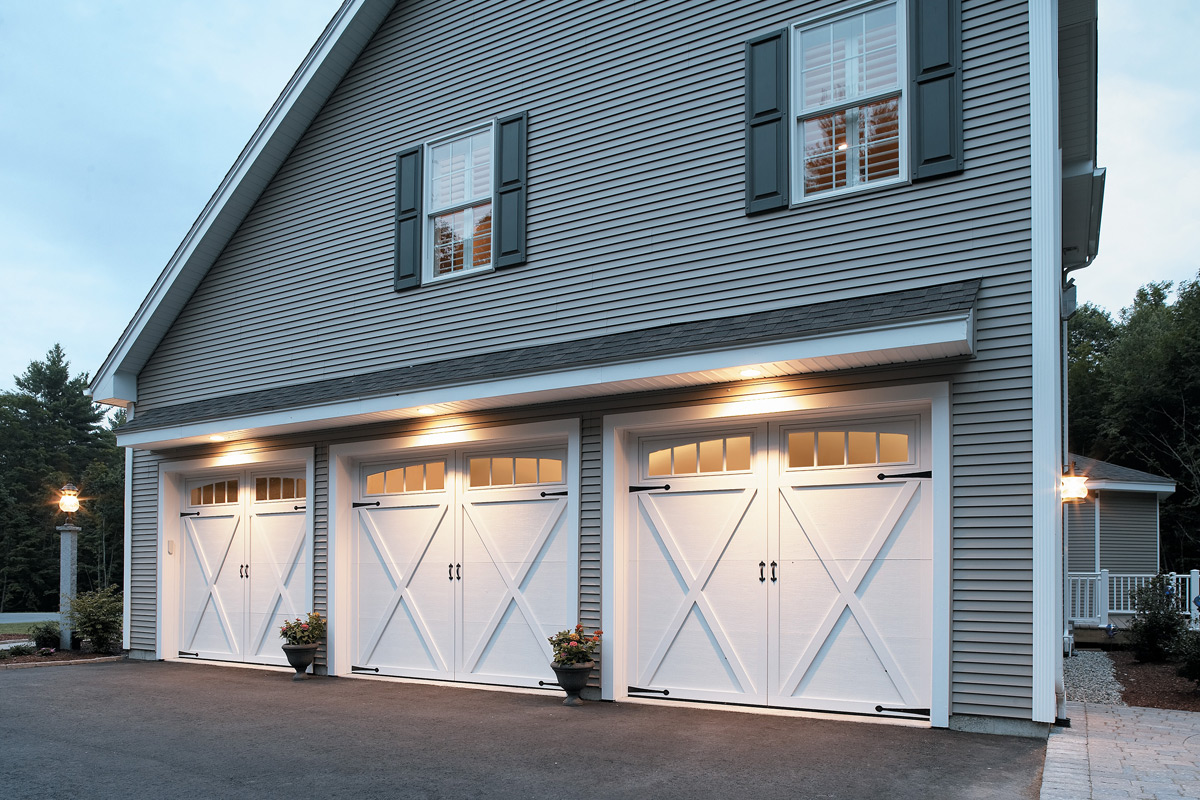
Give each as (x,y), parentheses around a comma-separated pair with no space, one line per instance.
(619,439)
(343,462)
(172,476)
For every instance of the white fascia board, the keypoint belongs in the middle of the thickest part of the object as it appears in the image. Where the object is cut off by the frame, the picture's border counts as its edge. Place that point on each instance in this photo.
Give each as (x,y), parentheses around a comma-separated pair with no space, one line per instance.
(319,74)
(951,332)
(1161,489)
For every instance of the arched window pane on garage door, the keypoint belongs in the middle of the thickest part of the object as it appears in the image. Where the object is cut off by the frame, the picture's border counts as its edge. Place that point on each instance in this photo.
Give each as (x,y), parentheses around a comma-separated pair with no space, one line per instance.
(699,456)
(427,477)
(514,471)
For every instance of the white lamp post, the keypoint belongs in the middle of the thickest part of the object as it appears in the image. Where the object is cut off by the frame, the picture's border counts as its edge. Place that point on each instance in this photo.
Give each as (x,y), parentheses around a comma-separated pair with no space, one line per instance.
(68,503)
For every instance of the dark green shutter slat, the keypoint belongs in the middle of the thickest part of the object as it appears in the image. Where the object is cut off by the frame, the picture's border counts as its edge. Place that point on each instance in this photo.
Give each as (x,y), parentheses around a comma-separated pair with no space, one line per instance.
(508,210)
(409,191)
(935,88)
(767,172)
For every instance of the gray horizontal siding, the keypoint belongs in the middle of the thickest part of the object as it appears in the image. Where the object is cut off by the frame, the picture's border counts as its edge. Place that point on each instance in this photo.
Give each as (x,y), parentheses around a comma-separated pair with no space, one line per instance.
(1081,536)
(1129,532)
(635,214)
(143,554)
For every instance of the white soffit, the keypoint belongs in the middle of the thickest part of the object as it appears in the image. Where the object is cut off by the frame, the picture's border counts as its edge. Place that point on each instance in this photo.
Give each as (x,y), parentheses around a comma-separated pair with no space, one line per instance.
(930,339)
(1161,489)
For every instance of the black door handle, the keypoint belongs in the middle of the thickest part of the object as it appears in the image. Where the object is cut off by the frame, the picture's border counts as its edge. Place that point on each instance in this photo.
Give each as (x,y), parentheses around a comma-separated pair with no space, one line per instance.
(450,572)
(762,565)
(247,570)
(241,567)
(773,566)
(458,571)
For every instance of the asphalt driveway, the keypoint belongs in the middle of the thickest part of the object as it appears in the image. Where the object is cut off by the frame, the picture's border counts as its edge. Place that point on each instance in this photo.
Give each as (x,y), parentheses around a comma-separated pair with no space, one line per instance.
(165,730)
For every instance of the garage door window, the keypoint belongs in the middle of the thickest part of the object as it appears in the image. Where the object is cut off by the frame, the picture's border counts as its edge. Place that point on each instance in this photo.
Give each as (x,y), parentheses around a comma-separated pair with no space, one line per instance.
(427,477)
(214,494)
(846,448)
(278,488)
(514,471)
(707,456)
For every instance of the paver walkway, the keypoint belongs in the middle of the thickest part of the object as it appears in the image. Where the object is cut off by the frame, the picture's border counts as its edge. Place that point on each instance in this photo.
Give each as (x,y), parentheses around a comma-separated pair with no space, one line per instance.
(1120,752)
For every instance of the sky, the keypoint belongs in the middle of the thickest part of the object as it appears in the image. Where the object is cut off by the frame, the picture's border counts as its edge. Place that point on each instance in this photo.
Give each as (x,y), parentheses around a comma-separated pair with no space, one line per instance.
(119,118)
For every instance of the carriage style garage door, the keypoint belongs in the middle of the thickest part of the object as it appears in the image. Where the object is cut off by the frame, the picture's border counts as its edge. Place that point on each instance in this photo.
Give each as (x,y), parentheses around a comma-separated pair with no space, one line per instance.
(779,569)
(462,565)
(246,564)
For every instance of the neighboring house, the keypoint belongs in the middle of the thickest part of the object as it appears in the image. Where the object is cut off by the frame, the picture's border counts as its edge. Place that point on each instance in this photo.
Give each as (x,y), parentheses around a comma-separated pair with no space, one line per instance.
(1113,544)
(731,330)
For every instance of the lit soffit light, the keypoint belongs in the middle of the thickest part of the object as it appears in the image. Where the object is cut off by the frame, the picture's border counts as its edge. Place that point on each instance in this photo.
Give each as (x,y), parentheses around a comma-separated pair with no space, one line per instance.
(750,372)
(218,437)
(426,411)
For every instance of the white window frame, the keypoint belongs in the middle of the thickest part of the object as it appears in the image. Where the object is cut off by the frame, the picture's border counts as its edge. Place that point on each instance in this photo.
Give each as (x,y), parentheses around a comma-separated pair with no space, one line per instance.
(796,118)
(429,211)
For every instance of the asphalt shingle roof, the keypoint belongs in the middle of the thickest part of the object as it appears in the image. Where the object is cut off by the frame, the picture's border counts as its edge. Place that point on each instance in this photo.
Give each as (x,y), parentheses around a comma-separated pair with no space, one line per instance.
(684,337)
(1104,471)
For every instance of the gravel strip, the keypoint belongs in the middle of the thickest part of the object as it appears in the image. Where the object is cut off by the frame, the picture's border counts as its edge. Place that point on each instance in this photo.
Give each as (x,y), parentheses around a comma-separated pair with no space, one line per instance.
(1088,676)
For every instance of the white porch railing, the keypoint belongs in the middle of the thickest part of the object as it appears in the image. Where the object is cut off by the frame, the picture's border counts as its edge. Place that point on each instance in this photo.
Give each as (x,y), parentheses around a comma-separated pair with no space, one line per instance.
(1093,596)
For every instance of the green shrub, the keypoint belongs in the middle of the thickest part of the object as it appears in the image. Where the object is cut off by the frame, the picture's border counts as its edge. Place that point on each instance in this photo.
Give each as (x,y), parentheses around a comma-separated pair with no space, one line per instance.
(46,634)
(1157,623)
(98,616)
(22,650)
(1187,652)
(5,653)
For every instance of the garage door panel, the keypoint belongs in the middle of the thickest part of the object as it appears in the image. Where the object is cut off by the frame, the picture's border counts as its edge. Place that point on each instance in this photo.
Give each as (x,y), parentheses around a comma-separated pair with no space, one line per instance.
(280,567)
(213,591)
(846,672)
(695,661)
(506,649)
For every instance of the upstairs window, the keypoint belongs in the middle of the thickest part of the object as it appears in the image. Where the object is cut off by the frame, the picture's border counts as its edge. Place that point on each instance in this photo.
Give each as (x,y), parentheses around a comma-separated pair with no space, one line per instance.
(460,204)
(848,101)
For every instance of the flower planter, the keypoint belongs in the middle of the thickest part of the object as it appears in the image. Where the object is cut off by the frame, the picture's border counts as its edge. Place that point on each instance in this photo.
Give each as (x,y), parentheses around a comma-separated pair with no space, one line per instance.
(300,656)
(572,678)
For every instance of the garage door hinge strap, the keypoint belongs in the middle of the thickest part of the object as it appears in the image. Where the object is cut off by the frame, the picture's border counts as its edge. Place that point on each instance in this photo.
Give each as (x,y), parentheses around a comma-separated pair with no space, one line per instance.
(364,669)
(926,474)
(922,712)
(189,513)
(362,505)
(183,653)
(664,487)
(563,493)
(632,689)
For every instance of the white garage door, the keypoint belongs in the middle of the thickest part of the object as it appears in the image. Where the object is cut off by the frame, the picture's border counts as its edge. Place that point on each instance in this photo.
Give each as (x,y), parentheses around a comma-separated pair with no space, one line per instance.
(779,569)
(463,565)
(246,565)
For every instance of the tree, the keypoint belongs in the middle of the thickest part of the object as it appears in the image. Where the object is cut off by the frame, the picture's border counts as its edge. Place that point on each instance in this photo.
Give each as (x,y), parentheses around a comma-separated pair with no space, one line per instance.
(51,433)
(1091,334)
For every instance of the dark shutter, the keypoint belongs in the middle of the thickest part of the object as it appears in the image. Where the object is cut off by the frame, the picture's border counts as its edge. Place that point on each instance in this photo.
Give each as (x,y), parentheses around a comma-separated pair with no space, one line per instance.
(508,208)
(767,173)
(409,191)
(935,87)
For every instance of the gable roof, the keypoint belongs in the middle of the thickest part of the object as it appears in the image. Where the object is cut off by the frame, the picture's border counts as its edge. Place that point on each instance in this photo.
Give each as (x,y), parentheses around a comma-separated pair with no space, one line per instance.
(335,51)
(1113,477)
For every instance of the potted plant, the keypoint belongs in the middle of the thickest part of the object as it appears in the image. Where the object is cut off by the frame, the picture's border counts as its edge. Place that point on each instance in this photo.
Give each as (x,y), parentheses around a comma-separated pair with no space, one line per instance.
(574,654)
(302,638)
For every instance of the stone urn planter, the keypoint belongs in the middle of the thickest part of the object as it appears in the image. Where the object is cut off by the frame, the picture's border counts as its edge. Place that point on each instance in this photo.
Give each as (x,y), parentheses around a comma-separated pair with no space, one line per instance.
(572,678)
(300,656)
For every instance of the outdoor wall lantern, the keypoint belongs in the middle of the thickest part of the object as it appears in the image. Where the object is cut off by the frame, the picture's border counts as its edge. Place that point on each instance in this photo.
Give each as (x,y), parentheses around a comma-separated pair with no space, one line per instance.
(68,501)
(1074,487)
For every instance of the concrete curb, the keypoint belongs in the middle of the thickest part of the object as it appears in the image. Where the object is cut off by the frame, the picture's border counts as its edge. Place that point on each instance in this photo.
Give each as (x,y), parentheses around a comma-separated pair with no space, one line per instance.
(34,664)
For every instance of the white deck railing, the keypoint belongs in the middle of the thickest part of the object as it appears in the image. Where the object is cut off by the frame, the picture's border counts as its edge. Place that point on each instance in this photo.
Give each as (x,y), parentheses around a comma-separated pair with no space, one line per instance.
(1093,596)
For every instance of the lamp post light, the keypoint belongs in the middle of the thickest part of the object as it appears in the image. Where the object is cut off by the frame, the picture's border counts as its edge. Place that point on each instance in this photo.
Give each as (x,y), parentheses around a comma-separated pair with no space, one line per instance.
(68,503)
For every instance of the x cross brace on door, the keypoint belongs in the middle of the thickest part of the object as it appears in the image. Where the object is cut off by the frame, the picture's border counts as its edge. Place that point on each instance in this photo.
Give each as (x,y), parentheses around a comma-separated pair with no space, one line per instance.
(209,574)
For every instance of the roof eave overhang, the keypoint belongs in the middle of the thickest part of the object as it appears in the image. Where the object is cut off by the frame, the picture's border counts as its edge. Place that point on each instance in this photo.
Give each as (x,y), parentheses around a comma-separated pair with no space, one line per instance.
(339,45)
(1163,490)
(929,339)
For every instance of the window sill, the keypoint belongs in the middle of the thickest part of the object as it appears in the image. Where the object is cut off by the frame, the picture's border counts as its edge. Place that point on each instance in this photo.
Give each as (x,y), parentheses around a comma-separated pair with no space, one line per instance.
(854,191)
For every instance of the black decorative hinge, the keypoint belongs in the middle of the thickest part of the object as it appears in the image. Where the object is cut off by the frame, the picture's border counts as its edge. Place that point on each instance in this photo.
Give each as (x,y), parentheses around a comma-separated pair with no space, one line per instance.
(189,513)
(920,712)
(364,669)
(363,505)
(664,487)
(663,692)
(563,493)
(547,683)
(186,653)
(299,508)
(926,474)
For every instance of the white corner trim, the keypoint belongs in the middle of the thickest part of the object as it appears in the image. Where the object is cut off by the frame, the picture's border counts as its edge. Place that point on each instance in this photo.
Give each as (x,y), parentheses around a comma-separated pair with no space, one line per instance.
(1048,457)
(128,568)
(107,386)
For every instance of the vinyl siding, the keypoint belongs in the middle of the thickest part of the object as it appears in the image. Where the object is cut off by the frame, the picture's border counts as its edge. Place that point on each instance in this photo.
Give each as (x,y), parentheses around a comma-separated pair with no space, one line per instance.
(1081,536)
(143,554)
(1129,532)
(636,213)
